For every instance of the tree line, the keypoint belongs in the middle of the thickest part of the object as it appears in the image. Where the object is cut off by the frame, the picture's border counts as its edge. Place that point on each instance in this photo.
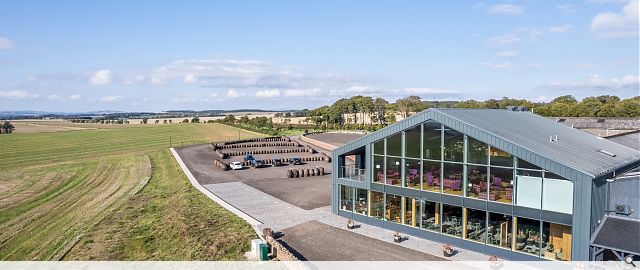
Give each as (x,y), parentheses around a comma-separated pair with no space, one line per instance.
(380,112)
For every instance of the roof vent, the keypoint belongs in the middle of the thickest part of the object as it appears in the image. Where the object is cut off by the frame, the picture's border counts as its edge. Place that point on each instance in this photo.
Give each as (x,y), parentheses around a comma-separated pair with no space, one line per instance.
(607,153)
(553,138)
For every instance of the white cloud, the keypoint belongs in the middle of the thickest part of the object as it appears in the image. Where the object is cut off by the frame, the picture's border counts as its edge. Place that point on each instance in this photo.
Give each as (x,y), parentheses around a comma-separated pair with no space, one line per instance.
(506,9)
(620,24)
(561,28)
(504,65)
(74,97)
(110,98)
(302,92)
(241,74)
(585,66)
(268,93)
(6,43)
(232,93)
(504,39)
(535,65)
(101,77)
(427,91)
(55,98)
(508,54)
(190,78)
(595,82)
(134,79)
(567,8)
(17,94)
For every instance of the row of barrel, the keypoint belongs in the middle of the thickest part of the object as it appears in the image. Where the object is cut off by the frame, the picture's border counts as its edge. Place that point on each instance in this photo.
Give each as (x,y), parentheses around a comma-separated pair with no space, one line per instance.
(259,144)
(270,151)
(306,172)
(267,139)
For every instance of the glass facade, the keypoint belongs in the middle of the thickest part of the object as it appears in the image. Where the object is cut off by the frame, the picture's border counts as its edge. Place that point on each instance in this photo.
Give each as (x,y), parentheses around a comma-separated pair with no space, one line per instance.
(452,220)
(412,173)
(346,198)
(435,158)
(476,223)
(392,208)
(533,237)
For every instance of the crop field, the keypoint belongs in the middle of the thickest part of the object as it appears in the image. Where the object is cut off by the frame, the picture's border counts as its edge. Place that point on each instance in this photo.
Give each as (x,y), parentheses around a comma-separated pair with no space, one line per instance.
(112,194)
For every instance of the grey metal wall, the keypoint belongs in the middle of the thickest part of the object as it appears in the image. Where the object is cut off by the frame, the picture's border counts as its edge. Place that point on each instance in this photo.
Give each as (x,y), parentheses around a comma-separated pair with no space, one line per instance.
(626,192)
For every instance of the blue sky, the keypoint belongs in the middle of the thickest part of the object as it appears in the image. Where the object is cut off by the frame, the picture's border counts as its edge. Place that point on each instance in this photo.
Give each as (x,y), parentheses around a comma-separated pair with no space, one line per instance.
(163,55)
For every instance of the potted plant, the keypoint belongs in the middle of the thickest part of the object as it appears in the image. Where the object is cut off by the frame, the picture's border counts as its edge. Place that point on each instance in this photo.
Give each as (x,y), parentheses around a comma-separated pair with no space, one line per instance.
(447,250)
(350,224)
(397,237)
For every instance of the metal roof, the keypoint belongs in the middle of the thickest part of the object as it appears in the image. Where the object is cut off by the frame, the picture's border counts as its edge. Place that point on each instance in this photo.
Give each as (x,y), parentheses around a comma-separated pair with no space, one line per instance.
(574,148)
(527,136)
(619,234)
(630,139)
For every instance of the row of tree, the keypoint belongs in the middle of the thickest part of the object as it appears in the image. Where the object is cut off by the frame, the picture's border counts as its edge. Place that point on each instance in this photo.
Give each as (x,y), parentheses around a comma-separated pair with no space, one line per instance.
(7,128)
(378,111)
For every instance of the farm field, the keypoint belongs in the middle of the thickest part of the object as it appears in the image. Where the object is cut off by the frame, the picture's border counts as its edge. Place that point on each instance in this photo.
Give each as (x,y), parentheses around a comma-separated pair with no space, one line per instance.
(112,194)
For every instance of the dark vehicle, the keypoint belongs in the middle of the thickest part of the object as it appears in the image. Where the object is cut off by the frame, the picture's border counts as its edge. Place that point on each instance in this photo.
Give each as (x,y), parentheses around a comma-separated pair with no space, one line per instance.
(248,158)
(276,162)
(295,161)
(256,163)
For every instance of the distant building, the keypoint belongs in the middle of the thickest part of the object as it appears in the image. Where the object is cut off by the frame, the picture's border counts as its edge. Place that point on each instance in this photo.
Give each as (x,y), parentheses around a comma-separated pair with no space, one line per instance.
(502,182)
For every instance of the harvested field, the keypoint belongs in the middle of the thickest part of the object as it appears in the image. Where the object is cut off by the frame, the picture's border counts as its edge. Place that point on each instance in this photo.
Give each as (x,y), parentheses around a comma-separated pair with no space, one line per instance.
(112,194)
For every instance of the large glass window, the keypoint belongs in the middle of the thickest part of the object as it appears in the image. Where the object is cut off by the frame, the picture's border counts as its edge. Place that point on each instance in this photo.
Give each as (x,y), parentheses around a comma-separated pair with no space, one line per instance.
(556,244)
(378,147)
(526,165)
(529,188)
(477,151)
(557,194)
(412,173)
(501,189)
(377,205)
(431,216)
(412,142)
(346,198)
(394,145)
(452,181)
(431,176)
(452,220)
(500,230)
(393,211)
(528,236)
(378,169)
(362,198)
(476,225)
(453,145)
(410,211)
(477,182)
(500,158)
(432,140)
(394,175)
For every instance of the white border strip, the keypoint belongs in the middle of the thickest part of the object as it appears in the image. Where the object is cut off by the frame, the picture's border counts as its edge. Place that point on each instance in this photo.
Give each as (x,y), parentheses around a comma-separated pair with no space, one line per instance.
(249,219)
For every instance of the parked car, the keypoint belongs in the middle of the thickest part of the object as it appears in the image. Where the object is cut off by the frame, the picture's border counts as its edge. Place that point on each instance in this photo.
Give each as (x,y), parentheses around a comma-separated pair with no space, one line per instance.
(295,161)
(256,163)
(276,162)
(248,158)
(236,165)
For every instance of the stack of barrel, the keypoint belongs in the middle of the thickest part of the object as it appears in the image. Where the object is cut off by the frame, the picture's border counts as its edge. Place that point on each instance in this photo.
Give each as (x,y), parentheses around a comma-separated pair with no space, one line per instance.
(220,164)
(305,172)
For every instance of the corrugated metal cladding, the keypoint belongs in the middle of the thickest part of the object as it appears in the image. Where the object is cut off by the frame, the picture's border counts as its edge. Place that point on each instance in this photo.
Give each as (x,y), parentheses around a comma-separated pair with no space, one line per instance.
(526,136)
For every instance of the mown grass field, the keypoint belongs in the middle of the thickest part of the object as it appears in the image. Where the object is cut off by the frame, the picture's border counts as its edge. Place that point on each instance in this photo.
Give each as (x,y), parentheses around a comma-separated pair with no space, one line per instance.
(112,194)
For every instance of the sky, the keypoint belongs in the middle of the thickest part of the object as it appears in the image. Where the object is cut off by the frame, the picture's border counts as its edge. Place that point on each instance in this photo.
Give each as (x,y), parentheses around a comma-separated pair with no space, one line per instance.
(143,55)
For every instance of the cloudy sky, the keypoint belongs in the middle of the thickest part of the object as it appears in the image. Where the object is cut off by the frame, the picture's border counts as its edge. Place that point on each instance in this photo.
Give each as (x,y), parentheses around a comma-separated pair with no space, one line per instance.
(162,55)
